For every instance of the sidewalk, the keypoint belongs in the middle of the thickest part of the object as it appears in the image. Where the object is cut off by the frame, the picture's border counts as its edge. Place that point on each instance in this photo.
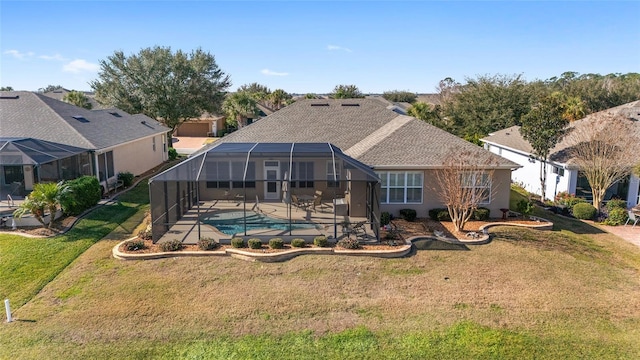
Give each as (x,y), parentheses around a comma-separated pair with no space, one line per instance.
(629,233)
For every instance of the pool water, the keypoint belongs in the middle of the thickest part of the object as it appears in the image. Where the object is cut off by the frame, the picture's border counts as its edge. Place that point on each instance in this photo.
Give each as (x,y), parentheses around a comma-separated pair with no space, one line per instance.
(232,222)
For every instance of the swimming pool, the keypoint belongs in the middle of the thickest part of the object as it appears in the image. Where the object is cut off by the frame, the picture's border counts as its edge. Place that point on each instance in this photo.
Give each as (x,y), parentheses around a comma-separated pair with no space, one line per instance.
(232,222)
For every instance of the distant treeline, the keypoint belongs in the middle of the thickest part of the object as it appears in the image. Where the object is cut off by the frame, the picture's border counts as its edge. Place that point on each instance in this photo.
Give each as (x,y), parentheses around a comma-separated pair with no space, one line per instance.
(485,104)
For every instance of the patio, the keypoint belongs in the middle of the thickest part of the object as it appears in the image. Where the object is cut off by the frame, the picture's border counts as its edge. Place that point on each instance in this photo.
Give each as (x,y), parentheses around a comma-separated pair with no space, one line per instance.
(188,231)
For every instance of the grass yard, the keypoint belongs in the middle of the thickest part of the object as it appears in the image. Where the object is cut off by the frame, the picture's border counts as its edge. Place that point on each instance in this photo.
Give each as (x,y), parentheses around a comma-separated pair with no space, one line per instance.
(567,294)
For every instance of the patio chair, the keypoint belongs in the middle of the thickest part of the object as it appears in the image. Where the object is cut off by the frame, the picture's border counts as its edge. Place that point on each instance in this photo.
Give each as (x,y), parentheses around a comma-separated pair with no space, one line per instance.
(359,228)
(298,203)
(632,217)
(317,203)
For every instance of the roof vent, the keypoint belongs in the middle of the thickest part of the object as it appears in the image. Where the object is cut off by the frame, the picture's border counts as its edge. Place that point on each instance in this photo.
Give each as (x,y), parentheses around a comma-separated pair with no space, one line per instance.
(10,97)
(143,122)
(80,118)
(115,114)
(350,104)
(320,104)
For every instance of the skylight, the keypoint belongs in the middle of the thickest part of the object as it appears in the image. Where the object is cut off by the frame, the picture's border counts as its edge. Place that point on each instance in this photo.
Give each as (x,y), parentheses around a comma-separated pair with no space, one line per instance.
(80,118)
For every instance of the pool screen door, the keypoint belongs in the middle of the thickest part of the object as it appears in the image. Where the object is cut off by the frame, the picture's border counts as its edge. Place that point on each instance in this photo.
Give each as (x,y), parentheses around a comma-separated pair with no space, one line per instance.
(272,177)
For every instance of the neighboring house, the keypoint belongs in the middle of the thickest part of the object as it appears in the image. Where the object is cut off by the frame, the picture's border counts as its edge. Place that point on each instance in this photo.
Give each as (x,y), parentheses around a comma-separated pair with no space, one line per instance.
(204,126)
(561,176)
(59,94)
(403,151)
(101,142)
(209,125)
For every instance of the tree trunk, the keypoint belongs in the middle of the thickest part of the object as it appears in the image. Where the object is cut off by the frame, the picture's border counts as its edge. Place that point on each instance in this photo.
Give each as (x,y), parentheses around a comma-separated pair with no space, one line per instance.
(52,214)
(543,179)
(598,195)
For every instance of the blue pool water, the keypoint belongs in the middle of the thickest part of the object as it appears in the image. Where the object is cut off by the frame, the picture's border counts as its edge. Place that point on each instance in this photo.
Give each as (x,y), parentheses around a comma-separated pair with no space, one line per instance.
(232,222)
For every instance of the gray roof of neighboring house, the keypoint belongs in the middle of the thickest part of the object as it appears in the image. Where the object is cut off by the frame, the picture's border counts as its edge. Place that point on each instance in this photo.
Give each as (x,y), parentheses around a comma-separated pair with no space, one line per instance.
(27,114)
(511,138)
(59,94)
(364,129)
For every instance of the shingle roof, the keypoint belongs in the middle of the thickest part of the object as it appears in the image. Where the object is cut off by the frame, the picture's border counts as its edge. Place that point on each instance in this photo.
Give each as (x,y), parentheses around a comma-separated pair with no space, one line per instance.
(37,116)
(364,129)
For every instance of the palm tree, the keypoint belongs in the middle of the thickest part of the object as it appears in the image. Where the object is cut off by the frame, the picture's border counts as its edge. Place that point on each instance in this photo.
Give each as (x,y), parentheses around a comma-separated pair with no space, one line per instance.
(77,98)
(574,108)
(278,98)
(238,107)
(45,196)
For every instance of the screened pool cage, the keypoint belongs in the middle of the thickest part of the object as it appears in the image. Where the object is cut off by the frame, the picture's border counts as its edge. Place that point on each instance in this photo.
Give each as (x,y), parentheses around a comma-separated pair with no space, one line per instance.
(265,189)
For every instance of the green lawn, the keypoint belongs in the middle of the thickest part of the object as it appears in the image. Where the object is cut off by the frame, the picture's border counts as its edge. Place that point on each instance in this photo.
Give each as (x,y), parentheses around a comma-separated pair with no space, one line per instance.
(572,293)
(31,263)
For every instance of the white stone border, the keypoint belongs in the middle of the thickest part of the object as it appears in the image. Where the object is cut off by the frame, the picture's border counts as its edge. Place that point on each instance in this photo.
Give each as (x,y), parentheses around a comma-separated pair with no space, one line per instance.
(401,251)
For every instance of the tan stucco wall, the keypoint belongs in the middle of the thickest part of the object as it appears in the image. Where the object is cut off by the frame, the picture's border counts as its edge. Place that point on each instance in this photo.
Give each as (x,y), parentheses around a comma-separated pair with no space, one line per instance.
(430,200)
(138,156)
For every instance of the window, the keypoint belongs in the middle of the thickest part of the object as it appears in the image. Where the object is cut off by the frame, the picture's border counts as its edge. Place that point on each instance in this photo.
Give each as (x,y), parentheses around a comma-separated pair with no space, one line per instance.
(330,178)
(227,175)
(302,175)
(479,184)
(13,174)
(558,170)
(154,143)
(401,187)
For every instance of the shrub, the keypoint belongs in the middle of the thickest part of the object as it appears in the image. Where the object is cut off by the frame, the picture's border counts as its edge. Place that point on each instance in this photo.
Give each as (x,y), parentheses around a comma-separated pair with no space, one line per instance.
(173,154)
(126,178)
(408,214)
(568,200)
(146,233)
(439,214)
(525,207)
(616,204)
(584,211)
(254,243)
(207,244)
(320,241)
(237,242)
(385,218)
(276,243)
(134,245)
(84,193)
(481,214)
(349,243)
(299,243)
(171,245)
(617,216)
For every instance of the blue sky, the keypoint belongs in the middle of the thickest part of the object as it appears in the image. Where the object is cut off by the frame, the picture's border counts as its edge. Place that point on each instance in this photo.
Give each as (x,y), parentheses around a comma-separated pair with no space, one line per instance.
(307,46)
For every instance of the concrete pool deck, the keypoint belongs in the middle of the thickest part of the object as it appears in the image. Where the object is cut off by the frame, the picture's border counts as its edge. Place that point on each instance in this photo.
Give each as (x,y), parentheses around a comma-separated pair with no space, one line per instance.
(188,230)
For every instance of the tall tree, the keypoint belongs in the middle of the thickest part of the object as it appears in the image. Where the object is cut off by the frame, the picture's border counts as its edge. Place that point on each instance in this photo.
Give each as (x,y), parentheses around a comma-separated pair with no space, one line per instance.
(258,91)
(346,92)
(543,127)
(77,98)
(400,96)
(602,147)
(428,113)
(6,88)
(238,107)
(463,183)
(486,104)
(167,86)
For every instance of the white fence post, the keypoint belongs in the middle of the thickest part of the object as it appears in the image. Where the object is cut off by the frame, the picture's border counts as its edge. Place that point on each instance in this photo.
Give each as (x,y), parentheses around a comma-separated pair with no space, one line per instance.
(8,308)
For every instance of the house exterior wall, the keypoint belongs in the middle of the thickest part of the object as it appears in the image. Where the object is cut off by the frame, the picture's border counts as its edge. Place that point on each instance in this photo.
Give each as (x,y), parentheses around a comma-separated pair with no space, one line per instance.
(139,156)
(501,182)
(528,176)
(633,198)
